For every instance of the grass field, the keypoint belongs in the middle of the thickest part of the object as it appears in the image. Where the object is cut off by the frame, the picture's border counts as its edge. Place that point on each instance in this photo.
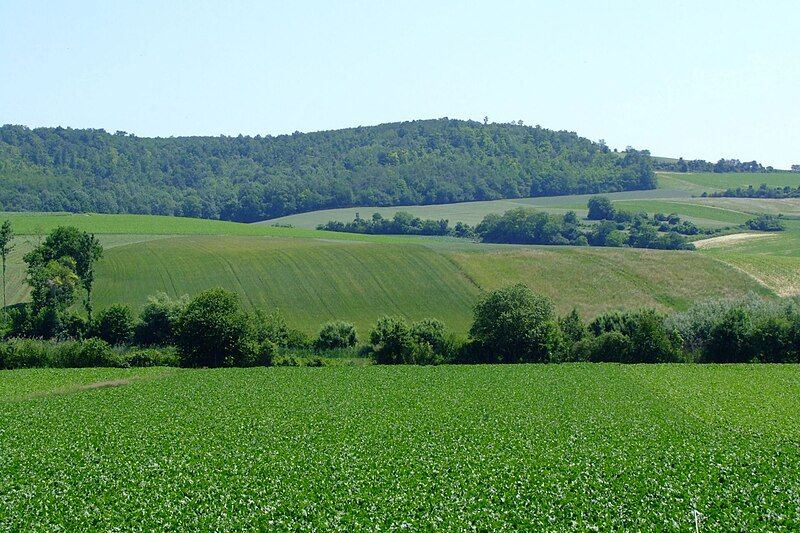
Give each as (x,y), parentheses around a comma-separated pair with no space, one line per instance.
(310,281)
(314,281)
(560,447)
(699,182)
(468,212)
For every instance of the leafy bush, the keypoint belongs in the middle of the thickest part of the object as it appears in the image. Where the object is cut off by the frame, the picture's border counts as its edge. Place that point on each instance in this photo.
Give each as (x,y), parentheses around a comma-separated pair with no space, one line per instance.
(600,208)
(31,353)
(214,331)
(114,324)
(432,332)
(754,328)
(425,342)
(156,326)
(610,347)
(167,356)
(516,325)
(764,222)
(94,352)
(649,340)
(271,327)
(335,335)
(391,341)
(572,327)
(729,339)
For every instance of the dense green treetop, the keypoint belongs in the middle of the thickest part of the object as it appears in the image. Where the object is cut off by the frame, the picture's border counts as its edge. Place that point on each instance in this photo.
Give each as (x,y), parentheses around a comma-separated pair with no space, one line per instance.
(253,178)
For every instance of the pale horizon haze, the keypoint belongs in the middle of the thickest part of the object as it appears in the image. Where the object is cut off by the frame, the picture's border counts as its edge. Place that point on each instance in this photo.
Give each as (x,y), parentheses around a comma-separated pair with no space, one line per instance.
(705,79)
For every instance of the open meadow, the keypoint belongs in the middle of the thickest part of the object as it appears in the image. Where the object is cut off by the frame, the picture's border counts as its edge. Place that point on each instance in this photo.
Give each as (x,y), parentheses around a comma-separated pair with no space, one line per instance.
(552,447)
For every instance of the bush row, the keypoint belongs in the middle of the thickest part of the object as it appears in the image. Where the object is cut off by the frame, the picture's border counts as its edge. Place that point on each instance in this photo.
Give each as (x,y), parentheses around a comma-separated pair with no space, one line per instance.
(38,353)
(511,325)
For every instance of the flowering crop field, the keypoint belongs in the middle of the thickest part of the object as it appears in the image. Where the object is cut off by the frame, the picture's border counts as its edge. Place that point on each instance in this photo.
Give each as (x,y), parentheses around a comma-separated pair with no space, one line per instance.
(558,447)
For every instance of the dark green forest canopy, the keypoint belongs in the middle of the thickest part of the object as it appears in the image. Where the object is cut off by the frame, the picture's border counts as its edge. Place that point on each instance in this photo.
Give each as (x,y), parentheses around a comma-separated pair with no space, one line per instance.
(254,178)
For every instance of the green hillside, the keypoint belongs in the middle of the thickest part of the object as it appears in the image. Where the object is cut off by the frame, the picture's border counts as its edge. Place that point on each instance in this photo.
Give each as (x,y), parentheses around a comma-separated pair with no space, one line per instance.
(314,276)
(699,182)
(253,178)
(312,281)
(468,212)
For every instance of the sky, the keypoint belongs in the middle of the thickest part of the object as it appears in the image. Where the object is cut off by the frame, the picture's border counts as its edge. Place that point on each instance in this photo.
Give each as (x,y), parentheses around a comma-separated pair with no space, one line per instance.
(702,79)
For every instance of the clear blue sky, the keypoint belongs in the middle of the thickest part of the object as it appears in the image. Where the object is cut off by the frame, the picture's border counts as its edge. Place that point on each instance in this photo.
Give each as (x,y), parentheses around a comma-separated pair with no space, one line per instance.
(698,79)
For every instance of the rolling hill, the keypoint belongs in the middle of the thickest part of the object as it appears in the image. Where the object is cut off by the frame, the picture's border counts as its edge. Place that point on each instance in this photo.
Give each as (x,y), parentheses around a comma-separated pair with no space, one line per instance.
(253,178)
(314,276)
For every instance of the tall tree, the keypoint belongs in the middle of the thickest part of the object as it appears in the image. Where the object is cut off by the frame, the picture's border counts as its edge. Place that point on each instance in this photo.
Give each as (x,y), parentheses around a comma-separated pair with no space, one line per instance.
(66,241)
(6,245)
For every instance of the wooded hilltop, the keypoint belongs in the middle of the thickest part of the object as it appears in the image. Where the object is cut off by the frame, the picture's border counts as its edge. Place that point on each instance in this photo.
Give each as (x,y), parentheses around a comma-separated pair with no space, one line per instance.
(254,178)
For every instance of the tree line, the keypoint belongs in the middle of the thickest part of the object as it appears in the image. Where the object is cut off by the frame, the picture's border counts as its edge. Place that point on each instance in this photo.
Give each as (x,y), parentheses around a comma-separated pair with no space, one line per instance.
(247,178)
(523,225)
(700,165)
(511,325)
(762,191)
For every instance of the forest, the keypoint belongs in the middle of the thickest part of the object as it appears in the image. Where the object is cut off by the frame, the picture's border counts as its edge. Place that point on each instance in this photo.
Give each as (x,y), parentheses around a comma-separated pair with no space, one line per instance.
(248,178)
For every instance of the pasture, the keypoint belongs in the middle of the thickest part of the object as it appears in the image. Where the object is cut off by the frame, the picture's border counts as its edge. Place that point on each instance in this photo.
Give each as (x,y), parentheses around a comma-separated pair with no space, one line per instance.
(537,447)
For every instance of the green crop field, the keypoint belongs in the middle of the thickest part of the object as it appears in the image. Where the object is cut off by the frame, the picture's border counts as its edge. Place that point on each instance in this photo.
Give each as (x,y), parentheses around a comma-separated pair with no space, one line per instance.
(310,281)
(550,447)
(313,281)
(469,212)
(103,224)
(699,182)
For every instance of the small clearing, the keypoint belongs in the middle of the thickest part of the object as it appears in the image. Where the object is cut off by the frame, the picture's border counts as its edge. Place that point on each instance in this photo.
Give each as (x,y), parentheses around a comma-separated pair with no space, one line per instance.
(734,238)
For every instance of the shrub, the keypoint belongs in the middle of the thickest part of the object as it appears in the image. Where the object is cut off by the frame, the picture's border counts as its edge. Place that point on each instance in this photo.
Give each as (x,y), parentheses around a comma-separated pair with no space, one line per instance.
(25,353)
(572,327)
(516,325)
(33,353)
(153,357)
(600,208)
(391,341)
(156,326)
(766,222)
(267,350)
(649,339)
(609,347)
(432,332)
(336,335)
(422,353)
(618,321)
(773,340)
(94,352)
(271,327)
(695,325)
(114,324)
(73,326)
(213,331)
(728,340)
(298,340)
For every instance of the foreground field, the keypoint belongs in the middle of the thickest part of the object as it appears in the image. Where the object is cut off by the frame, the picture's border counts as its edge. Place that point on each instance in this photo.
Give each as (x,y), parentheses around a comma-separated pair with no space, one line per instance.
(533,447)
